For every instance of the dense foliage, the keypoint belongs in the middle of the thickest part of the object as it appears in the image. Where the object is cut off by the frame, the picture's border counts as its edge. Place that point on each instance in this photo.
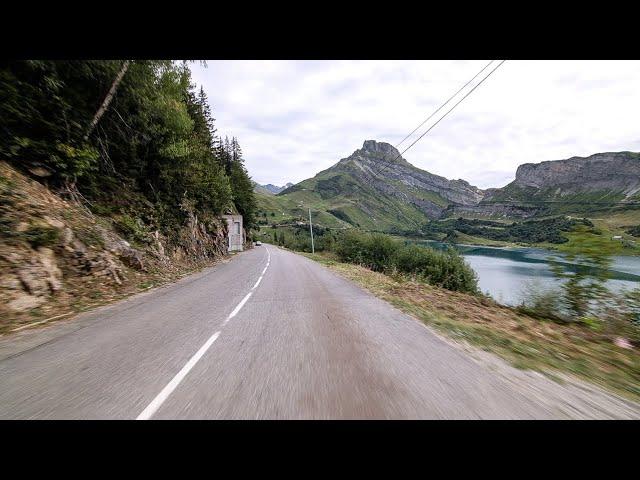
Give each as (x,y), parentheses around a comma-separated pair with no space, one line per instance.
(156,145)
(529,231)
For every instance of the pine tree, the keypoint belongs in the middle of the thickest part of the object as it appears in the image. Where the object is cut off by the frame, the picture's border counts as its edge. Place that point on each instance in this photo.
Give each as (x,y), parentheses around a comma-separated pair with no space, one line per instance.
(225,155)
(208,117)
(236,151)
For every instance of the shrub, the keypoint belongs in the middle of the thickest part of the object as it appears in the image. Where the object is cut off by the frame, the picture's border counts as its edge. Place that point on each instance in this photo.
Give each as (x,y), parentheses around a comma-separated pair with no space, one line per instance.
(383,254)
(131,228)
(445,269)
(41,236)
(543,304)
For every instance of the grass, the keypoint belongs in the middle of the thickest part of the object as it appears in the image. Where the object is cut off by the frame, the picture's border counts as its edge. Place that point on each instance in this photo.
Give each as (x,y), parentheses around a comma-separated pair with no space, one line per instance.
(523,341)
(583,240)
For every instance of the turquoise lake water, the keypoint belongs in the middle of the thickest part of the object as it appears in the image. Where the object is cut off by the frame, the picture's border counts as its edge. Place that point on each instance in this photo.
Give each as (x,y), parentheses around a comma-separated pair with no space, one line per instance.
(507,274)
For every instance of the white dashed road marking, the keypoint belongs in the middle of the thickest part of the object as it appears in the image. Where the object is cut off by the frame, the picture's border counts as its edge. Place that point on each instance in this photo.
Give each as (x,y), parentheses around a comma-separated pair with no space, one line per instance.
(155,404)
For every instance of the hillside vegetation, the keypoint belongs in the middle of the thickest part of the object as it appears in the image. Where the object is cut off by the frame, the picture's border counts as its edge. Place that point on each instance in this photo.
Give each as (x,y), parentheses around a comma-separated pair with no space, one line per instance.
(156,137)
(111,170)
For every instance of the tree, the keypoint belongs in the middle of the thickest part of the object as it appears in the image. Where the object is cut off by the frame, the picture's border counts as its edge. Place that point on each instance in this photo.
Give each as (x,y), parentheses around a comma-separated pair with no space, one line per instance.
(241,183)
(149,146)
(107,99)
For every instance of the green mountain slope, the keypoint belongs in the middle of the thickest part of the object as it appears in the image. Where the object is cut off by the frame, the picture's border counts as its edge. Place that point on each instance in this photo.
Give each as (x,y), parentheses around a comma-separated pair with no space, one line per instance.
(352,193)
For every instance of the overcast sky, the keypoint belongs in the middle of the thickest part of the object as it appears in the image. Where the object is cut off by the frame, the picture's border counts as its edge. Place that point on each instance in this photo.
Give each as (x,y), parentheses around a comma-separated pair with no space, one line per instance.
(295,118)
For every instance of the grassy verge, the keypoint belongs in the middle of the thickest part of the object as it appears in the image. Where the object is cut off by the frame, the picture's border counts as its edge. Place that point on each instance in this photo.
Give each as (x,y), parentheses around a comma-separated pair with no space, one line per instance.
(525,342)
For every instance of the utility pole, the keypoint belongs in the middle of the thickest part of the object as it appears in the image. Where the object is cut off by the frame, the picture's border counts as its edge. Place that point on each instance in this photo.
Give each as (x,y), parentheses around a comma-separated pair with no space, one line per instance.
(311,230)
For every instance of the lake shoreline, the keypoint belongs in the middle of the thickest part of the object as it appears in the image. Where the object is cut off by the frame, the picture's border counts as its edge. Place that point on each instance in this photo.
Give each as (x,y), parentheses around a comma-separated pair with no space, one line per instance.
(510,274)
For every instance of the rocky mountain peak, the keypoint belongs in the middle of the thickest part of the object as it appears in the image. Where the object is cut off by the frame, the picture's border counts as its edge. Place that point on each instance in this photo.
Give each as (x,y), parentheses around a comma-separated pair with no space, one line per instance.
(379,148)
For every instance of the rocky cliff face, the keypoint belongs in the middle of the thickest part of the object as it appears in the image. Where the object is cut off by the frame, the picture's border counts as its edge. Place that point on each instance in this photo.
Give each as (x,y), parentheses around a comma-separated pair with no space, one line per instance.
(602,171)
(377,154)
(576,184)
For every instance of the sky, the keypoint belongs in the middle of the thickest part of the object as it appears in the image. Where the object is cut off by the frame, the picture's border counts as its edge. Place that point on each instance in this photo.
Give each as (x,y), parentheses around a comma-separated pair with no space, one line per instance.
(296,118)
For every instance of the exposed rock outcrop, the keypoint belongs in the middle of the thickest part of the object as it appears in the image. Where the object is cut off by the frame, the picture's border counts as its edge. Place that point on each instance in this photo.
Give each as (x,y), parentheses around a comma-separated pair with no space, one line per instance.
(374,156)
(53,250)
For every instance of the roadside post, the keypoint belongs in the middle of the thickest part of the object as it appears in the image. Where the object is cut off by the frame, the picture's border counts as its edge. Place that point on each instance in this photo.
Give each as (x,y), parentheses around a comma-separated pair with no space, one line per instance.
(311,230)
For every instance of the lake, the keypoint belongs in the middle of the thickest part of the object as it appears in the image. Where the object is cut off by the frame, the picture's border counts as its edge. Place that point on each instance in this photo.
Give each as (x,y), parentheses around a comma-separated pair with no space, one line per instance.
(508,273)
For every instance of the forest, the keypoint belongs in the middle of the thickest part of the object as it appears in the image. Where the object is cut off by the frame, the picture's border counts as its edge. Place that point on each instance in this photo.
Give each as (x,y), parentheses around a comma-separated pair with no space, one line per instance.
(134,140)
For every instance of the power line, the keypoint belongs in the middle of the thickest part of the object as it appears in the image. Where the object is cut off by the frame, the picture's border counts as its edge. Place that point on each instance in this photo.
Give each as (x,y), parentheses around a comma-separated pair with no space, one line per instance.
(440,107)
(525,202)
(448,100)
(441,118)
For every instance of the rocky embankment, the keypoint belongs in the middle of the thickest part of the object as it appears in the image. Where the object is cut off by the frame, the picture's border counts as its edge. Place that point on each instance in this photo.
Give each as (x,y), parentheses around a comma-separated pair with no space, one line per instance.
(56,257)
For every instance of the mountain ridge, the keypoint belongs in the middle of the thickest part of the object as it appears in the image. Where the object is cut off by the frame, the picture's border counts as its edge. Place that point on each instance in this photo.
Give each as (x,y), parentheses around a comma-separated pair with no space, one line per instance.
(270,188)
(360,190)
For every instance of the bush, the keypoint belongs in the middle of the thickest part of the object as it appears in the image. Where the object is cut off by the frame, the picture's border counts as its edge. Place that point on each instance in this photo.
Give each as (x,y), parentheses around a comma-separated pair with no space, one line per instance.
(445,269)
(381,253)
(41,236)
(131,228)
(543,304)
(374,251)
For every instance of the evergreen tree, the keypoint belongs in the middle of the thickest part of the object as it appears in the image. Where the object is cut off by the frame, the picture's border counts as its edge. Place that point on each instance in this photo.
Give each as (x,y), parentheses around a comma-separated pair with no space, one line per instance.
(208,117)
(243,194)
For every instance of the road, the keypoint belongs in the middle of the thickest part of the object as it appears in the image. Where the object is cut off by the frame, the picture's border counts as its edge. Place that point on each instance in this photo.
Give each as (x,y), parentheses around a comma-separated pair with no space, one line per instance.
(268,335)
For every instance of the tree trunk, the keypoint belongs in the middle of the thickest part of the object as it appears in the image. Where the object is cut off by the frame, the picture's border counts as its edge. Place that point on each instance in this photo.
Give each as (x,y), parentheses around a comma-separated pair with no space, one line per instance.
(107,99)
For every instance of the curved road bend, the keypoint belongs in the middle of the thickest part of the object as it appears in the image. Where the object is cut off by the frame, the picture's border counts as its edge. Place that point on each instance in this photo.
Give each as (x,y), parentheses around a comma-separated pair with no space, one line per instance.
(268,335)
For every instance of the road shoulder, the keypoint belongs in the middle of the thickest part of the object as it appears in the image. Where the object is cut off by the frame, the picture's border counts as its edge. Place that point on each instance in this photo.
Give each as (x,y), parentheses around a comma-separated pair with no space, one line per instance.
(552,366)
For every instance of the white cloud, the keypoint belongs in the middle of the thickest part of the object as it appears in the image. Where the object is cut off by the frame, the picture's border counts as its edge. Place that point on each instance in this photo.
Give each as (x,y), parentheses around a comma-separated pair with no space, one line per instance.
(295,118)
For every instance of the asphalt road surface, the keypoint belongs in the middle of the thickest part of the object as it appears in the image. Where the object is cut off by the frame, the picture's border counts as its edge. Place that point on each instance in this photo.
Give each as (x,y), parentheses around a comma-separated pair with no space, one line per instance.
(268,335)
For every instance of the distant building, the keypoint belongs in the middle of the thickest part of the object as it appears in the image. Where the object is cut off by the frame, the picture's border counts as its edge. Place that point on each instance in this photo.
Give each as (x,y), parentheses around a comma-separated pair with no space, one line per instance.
(235,235)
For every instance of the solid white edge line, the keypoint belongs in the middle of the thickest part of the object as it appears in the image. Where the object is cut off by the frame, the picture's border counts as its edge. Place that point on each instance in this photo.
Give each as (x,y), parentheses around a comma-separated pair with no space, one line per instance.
(148,412)
(155,404)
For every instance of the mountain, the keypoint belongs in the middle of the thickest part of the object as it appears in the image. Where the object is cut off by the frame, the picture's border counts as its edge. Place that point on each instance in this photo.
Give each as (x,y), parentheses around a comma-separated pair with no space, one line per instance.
(352,192)
(600,182)
(270,188)
(358,191)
